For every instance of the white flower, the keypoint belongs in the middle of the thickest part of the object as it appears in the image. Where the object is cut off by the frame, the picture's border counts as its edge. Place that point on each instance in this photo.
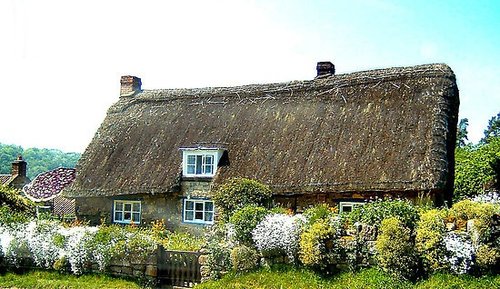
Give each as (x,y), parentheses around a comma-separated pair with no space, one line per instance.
(490,197)
(460,252)
(278,234)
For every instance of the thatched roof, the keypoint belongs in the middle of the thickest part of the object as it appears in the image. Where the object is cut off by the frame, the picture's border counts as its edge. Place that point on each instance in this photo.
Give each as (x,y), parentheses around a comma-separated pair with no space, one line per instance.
(380,130)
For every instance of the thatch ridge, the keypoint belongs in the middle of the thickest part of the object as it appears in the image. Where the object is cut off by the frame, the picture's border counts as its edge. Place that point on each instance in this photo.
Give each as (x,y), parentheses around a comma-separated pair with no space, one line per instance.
(378,130)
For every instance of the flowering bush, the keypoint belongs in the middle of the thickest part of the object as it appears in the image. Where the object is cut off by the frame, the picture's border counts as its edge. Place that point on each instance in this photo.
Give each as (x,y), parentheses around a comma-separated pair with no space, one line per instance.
(219,247)
(460,252)
(481,213)
(487,259)
(75,248)
(50,245)
(429,239)
(317,244)
(490,197)
(278,235)
(395,249)
(244,258)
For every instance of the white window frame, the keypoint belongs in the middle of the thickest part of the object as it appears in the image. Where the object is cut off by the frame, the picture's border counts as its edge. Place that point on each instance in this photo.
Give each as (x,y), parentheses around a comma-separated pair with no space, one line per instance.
(124,212)
(205,154)
(349,204)
(205,213)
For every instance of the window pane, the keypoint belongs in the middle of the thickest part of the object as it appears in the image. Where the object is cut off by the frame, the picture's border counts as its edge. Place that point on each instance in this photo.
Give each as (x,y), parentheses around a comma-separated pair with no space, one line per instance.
(209,159)
(198,216)
(209,217)
(118,206)
(199,206)
(128,207)
(208,169)
(190,169)
(136,217)
(191,160)
(346,208)
(118,216)
(189,216)
(189,205)
(199,162)
(136,207)
(127,216)
(209,206)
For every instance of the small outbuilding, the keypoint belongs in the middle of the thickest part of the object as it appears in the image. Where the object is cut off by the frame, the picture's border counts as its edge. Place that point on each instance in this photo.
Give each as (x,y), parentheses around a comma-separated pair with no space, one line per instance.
(339,139)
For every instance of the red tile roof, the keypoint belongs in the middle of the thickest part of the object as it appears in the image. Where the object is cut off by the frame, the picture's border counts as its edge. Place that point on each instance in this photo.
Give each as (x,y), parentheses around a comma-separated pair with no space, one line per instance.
(49,184)
(4,179)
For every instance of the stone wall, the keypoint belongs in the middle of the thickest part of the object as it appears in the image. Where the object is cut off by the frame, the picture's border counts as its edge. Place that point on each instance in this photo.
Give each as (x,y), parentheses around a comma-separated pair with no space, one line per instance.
(131,266)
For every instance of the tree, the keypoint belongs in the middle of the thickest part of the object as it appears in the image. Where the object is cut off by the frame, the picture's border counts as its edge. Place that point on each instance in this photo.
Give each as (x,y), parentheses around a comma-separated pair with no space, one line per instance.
(493,129)
(462,132)
(476,168)
(39,160)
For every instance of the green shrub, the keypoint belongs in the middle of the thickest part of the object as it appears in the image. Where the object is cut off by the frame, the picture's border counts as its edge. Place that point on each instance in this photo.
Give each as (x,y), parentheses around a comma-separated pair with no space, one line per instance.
(245,220)
(481,213)
(429,239)
(317,244)
(182,241)
(319,212)
(487,259)
(281,210)
(61,264)
(374,212)
(244,258)
(237,193)
(395,250)
(10,217)
(12,198)
(219,252)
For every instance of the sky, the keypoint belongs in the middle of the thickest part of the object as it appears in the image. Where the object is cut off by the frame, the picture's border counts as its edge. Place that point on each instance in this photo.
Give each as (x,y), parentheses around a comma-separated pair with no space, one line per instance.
(61,61)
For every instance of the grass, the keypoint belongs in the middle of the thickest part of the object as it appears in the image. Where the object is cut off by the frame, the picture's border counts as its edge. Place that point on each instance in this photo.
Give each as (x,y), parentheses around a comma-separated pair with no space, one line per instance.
(279,277)
(49,279)
(289,277)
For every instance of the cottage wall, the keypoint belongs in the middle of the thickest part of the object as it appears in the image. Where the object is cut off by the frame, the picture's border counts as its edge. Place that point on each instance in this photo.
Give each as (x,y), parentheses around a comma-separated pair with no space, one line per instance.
(299,202)
(166,207)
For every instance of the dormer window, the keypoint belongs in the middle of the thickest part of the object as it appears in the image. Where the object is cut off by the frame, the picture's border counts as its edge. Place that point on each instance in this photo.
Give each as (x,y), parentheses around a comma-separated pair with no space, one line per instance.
(200,162)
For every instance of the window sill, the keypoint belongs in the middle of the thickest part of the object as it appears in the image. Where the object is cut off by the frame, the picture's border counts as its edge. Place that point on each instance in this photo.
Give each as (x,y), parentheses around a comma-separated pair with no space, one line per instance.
(198,178)
(198,223)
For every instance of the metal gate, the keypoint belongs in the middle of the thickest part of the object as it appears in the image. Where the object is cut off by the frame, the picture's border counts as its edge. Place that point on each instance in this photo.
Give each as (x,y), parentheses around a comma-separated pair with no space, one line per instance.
(178,268)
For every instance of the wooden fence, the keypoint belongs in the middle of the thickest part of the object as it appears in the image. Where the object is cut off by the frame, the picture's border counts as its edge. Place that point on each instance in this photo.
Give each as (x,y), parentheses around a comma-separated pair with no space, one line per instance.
(178,268)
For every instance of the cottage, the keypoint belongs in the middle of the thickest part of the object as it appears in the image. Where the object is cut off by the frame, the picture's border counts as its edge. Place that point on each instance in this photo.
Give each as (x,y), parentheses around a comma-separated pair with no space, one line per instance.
(339,139)
(17,179)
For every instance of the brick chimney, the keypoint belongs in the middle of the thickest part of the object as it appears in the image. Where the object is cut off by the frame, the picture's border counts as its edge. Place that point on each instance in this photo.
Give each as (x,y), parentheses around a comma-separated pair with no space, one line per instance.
(325,68)
(129,85)
(19,167)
